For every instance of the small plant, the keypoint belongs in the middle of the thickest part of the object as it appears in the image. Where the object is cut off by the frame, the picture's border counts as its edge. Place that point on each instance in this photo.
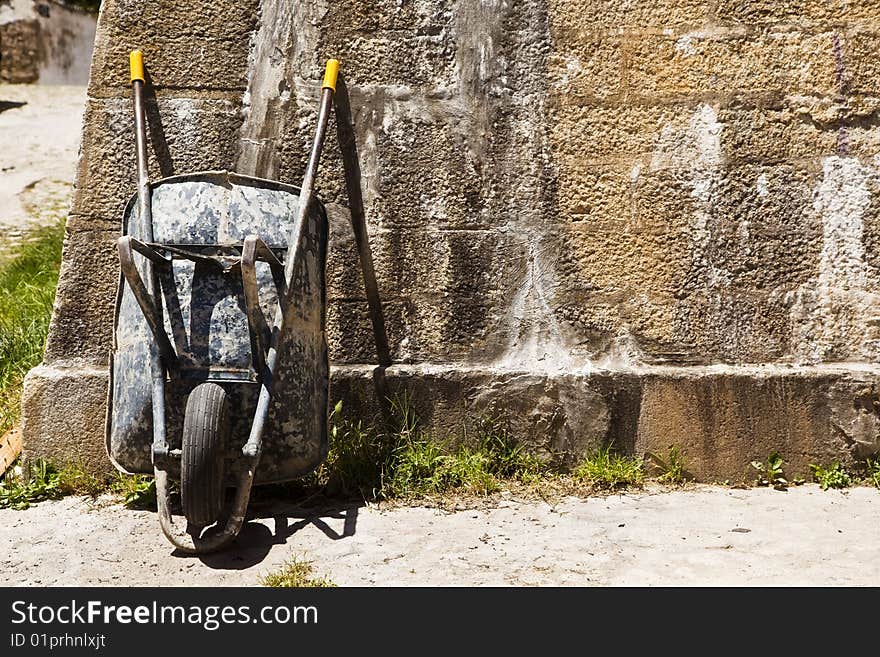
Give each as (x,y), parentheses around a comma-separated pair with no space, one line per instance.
(44,481)
(357,461)
(422,467)
(136,491)
(296,573)
(18,491)
(770,473)
(606,470)
(671,468)
(872,467)
(506,457)
(834,476)
(75,480)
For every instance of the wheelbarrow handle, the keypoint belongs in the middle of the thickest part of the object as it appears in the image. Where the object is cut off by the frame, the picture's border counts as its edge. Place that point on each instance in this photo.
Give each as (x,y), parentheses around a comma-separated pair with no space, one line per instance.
(151,290)
(253,447)
(136,65)
(331,72)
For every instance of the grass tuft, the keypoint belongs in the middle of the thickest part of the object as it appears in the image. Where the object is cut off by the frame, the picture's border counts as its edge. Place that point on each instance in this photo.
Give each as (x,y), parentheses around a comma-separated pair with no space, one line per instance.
(18,491)
(135,491)
(296,573)
(671,468)
(44,481)
(27,290)
(604,469)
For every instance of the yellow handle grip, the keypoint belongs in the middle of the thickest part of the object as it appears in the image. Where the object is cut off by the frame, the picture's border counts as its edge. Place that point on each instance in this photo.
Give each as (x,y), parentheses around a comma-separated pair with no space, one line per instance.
(136,63)
(331,71)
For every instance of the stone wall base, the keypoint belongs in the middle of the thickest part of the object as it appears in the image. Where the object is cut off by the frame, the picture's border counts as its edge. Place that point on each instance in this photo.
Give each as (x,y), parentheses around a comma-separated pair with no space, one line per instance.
(721,418)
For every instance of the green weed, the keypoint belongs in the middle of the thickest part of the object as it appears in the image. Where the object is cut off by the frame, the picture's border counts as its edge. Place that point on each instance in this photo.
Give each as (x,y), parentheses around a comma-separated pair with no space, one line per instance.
(872,472)
(770,472)
(18,491)
(296,573)
(671,468)
(135,491)
(357,461)
(43,481)
(75,480)
(421,468)
(420,465)
(605,469)
(403,461)
(834,476)
(506,457)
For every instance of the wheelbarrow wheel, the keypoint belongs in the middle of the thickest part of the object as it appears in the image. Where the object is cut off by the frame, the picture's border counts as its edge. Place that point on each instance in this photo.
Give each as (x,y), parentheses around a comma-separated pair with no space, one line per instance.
(205,430)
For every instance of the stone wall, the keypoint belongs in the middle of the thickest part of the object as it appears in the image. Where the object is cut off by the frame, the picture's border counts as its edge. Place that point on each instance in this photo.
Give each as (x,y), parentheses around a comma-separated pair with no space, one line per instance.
(649,222)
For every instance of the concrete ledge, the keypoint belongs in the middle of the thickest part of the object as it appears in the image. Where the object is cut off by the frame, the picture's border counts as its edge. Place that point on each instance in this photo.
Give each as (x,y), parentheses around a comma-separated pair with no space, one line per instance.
(721,418)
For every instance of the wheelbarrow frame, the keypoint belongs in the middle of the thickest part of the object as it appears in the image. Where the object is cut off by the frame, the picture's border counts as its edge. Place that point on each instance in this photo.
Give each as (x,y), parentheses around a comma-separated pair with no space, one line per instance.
(264,338)
(231,271)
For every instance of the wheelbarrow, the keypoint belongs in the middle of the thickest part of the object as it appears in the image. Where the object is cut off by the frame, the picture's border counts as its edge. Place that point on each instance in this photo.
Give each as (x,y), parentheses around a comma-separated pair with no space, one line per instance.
(219,373)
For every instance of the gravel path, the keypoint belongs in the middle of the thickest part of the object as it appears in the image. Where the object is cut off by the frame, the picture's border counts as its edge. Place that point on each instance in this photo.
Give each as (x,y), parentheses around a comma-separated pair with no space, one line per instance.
(706,535)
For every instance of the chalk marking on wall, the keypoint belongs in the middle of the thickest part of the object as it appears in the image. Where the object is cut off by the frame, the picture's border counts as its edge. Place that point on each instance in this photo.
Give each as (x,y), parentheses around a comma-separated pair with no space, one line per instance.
(831,314)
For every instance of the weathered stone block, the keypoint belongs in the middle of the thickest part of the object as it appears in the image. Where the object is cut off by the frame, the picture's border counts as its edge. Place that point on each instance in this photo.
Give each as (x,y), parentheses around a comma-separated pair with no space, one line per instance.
(556,418)
(82,320)
(185,135)
(723,422)
(595,14)
(63,411)
(452,312)
(859,62)
(421,17)
(795,11)
(720,419)
(387,59)
(202,45)
(772,134)
(634,273)
(587,134)
(763,231)
(730,325)
(600,196)
(729,62)
(585,65)
(217,20)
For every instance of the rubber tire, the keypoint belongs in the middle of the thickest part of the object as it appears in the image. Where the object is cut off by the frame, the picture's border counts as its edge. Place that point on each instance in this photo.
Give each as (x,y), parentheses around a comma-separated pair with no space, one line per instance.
(202,458)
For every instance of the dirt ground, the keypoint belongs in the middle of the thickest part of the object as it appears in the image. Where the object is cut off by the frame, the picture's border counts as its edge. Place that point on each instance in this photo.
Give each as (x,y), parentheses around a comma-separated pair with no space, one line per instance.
(702,536)
(40,135)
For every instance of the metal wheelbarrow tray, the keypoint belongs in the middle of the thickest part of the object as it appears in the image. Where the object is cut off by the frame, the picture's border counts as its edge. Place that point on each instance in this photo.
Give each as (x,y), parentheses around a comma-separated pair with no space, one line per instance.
(219,371)
(218,249)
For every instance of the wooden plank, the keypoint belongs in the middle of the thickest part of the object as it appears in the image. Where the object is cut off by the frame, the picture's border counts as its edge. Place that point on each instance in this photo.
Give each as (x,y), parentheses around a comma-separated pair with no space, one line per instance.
(10,448)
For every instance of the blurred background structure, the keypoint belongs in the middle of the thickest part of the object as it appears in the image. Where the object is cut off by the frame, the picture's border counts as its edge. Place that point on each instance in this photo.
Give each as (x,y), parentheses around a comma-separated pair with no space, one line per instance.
(46,41)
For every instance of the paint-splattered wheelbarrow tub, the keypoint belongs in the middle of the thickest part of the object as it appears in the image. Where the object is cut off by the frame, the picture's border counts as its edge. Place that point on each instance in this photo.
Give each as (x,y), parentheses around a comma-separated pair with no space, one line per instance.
(219,370)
